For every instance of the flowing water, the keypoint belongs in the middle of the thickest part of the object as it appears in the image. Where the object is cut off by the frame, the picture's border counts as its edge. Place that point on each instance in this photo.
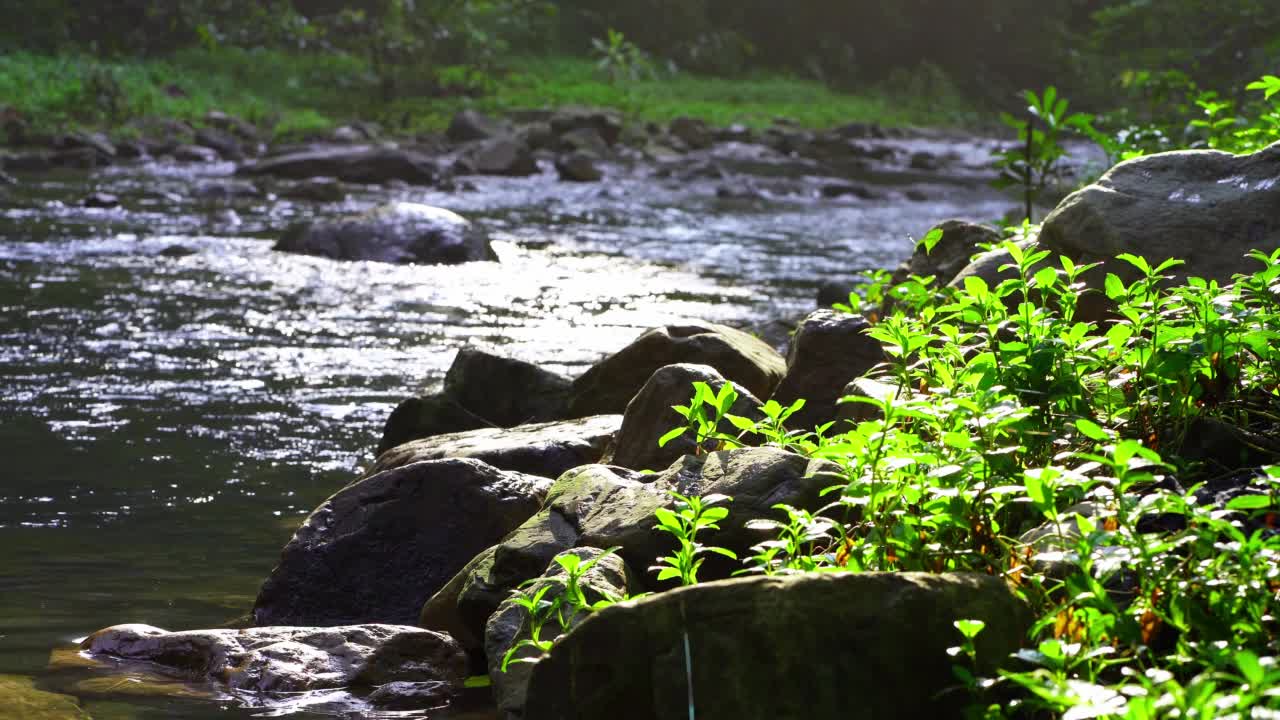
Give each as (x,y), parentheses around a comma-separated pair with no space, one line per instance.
(168,418)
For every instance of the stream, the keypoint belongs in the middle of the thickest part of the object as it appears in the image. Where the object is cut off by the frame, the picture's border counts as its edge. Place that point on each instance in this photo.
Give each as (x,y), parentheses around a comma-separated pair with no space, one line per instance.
(176,396)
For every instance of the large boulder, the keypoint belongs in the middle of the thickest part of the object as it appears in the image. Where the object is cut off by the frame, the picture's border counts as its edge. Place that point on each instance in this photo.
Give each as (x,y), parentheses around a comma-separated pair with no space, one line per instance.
(650,415)
(480,390)
(578,166)
(350,163)
(380,547)
(289,660)
(829,350)
(470,125)
(605,507)
(608,386)
(544,449)
(398,232)
(832,645)
(499,156)
(608,578)
(960,241)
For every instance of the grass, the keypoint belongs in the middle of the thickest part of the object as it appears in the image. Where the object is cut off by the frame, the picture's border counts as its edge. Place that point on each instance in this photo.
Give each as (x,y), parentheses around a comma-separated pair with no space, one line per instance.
(297,94)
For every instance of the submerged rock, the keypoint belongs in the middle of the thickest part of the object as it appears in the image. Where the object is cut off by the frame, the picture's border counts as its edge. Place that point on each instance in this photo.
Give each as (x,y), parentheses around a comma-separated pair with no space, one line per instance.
(101,200)
(349,163)
(293,659)
(19,696)
(649,416)
(383,545)
(870,645)
(398,232)
(544,449)
(829,350)
(608,386)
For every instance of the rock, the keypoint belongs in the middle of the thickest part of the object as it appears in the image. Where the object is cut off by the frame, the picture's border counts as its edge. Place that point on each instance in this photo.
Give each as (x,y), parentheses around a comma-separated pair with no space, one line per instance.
(864,387)
(20,697)
(242,129)
(960,241)
(587,140)
(608,386)
(397,232)
(764,647)
(195,154)
(649,416)
(692,132)
(290,659)
(505,391)
(578,167)
(355,164)
(836,190)
(1206,207)
(607,123)
(427,416)
(544,449)
(987,266)
(226,190)
(830,349)
(223,143)
(414,695)
(604,507)
(320,189)
(926,161)
(468,125)
(500,156)
(356,132)
(380,547)
(29,162)
(6,179)
(101,200)
(608,578)
(177,251)
(98,142)
(831,292)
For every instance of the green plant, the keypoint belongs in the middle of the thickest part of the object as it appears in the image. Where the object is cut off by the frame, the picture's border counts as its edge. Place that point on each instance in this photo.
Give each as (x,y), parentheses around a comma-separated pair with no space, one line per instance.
(703,415)
(619,59)
(691,516)
(1036,159)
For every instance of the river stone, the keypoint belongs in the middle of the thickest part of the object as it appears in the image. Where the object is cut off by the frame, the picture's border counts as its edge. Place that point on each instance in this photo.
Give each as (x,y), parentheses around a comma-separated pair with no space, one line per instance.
(195,154)
(426,416)
(960,241)
(19,696)
(604,507)
(468,125)
(650,415)
(864,387)
(290,659)
(500,156)
(692,132)
(545,449)
(867,645)
(399,232)
(383,545)
(505,391)
(349,163)
(578,166)
(1206,207)
(242,129)
(829,349)
(608,386)
(221,142)
(605,122)
(608,579)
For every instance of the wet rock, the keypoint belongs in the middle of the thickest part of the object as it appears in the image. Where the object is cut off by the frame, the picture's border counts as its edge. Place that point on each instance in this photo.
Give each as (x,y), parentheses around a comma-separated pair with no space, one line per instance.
(604,507)
(544,449)
(608,386)
(578,167)
(836,190)
(960,241)
(587,140)
(132,150)
(609,578)
(607,123)
(241,129)
(398,232)
(414,695)
(916,195)
(101,200)
(321,189)
(427,416)
(830,349)
(380,547)
(223,143)
(178,251)
(97,142)
(195,154)
(692,132)
(357,132)
(499,156)
(469,125)
(356,164)
(831,292)
(225,190)
(290,659)
(649,416)
(734,133)
(926,161)
(7,179)
(28,162)
(19,696)
(860,131)
(756,650)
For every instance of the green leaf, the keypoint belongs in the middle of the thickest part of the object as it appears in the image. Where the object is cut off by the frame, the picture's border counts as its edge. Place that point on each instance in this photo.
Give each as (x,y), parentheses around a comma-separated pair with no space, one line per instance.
(1249,502)
(671,435)
(666,518)
(969,628)
(743,424)
(668,573)
(930,240)
(721,551)
(1091,430)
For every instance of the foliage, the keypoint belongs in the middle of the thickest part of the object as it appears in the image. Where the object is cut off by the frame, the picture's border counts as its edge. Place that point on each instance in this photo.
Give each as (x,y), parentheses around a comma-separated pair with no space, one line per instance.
(620,60)
(1011,415)
(691,516)
(1035,160)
